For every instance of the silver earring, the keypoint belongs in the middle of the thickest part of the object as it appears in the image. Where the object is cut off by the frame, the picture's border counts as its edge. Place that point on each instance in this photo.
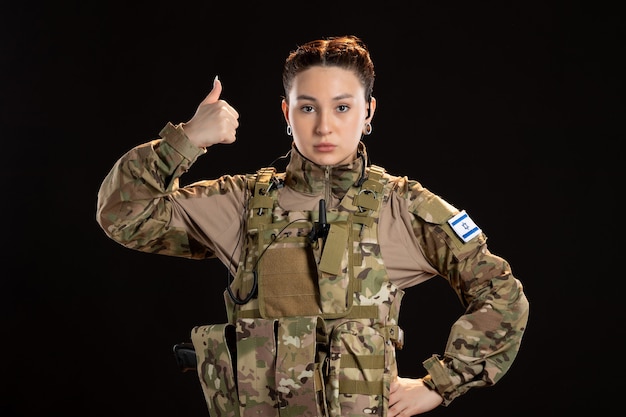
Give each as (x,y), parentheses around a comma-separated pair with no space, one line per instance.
(288,130)
(367,129)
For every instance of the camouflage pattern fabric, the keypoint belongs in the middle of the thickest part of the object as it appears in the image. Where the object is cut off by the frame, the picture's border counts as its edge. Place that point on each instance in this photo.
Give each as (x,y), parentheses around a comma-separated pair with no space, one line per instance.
(215,368)
(351,295)
(359,370)
(141,206)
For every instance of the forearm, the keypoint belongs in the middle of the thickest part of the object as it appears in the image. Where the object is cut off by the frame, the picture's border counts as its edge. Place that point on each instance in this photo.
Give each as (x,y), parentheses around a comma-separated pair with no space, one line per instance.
(133,206)
(484,341)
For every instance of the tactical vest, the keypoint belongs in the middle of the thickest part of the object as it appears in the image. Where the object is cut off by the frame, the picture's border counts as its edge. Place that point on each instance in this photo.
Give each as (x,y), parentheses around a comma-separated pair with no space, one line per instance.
(312,320)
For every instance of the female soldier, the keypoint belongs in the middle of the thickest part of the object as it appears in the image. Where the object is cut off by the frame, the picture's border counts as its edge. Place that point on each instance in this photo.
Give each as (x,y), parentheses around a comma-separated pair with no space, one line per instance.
(320,255)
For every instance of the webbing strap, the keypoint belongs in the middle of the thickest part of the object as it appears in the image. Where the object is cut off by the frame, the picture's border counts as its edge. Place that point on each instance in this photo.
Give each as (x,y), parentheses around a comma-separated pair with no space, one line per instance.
(360,387)
(368,197)
(363,361)
(319,378)
(261,203)
(356,312)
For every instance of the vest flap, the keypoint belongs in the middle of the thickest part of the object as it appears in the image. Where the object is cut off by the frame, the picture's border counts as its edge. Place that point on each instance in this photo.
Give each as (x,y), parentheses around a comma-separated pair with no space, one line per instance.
(334,249)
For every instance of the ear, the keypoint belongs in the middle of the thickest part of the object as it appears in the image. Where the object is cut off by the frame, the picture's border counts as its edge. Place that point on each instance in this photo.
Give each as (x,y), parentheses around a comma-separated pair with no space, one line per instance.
(285,108)
(372,106)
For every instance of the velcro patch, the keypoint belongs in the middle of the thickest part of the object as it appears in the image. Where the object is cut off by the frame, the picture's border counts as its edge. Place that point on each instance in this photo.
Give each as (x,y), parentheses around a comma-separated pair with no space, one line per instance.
(464,227)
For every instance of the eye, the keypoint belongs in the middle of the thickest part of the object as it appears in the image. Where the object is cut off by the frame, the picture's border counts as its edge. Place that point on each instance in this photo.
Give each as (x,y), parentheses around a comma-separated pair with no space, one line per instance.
(342,108)
(307,109)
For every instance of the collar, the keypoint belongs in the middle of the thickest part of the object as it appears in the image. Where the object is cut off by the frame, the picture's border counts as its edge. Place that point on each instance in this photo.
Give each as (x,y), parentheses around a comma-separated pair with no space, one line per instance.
(305,176)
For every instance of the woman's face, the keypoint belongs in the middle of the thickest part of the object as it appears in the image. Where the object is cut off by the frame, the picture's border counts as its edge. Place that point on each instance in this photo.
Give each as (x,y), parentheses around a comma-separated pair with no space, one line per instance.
(327,111)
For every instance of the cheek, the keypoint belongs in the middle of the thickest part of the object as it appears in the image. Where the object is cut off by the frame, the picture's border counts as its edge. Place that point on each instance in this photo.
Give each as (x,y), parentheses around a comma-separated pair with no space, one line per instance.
(356,124)
(299,120)
(301,130)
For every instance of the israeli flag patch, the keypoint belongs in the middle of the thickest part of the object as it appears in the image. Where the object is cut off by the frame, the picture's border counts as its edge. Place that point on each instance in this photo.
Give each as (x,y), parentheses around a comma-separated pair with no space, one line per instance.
(464,227)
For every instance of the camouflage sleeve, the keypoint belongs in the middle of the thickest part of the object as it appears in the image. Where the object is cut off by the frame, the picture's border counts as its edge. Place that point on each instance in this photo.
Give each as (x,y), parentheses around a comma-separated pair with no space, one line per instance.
(133,206)
(485,340)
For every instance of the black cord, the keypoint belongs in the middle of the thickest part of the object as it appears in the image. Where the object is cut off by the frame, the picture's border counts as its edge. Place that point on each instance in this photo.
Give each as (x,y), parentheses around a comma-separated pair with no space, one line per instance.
(363,177)
(253,291)
(285,156)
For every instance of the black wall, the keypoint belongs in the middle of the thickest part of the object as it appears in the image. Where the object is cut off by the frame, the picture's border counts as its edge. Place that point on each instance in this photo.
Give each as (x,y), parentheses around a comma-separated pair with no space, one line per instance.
(509,111)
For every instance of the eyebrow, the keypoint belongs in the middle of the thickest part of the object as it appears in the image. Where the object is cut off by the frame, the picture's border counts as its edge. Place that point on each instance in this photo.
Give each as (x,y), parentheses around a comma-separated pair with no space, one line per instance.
(339,97)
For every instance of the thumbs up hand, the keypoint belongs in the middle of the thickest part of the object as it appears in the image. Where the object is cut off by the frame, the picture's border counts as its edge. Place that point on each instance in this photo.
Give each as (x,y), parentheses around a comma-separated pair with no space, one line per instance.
(215,121)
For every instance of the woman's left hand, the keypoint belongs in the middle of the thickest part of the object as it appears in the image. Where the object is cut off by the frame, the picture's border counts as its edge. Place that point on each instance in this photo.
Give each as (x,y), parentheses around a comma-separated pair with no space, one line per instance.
(409,397)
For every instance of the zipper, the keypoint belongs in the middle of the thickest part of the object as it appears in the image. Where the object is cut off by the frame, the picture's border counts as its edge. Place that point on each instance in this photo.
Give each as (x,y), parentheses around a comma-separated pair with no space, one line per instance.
(327,185)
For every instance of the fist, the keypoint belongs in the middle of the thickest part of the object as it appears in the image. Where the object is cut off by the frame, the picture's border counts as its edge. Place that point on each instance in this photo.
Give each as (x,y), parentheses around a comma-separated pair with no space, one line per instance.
(215,121)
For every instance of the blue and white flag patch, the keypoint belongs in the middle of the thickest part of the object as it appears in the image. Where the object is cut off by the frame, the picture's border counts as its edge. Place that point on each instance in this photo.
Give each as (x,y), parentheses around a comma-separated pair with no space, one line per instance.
(464,227)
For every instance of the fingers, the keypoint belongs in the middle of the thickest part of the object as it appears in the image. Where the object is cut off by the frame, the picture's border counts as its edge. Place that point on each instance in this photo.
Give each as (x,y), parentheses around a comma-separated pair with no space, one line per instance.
(215,92)
(214,97)
(215,121)
(393,386)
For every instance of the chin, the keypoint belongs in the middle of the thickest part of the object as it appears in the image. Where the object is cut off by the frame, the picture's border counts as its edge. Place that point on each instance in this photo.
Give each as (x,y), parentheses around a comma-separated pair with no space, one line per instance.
(326,161)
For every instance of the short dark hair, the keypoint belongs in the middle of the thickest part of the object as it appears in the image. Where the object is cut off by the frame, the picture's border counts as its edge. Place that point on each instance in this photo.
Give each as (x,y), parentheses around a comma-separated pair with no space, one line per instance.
(348,52)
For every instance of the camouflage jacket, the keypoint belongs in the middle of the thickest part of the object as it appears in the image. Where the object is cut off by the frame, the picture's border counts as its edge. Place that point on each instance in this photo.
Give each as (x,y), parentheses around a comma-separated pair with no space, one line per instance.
(142,206)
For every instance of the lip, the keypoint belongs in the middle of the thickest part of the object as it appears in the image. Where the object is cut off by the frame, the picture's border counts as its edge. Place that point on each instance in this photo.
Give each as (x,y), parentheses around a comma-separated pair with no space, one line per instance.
(325,147)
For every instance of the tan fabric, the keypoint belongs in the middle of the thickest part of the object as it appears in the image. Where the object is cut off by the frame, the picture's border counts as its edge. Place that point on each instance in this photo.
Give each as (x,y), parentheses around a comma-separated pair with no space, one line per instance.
(144,205)
(404,260)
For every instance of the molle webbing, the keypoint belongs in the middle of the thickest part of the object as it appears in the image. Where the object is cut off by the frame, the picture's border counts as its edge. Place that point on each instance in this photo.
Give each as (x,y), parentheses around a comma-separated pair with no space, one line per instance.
(273,233)
(320,335)
(261,203)
(356,312)
(367,202)
(368,198)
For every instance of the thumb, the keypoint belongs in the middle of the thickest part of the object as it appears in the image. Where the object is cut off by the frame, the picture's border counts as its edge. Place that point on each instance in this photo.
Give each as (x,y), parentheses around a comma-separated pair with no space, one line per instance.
(214,95)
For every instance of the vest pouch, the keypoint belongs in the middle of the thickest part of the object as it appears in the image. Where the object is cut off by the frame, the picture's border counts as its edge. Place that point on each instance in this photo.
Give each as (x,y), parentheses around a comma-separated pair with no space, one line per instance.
(214,353)
(335,286)
(278,367)
(288,282)
(249,346)
(299,381)
(359,373)
(256,369)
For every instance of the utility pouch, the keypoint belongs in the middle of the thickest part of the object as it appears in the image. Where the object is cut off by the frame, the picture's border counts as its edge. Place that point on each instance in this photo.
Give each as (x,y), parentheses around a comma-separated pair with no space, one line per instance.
(278,372)
(256,370)
(334,286)
(213,346)
(291,285)
(288,282)
(360,370)
(299,380)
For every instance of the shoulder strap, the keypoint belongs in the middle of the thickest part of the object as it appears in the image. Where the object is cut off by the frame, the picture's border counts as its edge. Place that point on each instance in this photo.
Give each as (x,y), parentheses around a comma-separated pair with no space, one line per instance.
(261,203)
(369,196)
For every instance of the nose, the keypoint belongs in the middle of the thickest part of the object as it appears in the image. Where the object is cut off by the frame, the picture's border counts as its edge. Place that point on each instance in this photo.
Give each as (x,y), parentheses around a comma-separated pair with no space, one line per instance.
(322,127)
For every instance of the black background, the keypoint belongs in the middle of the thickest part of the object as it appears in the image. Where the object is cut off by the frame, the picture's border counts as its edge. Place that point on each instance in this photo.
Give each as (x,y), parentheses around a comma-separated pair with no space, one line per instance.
(510,111)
